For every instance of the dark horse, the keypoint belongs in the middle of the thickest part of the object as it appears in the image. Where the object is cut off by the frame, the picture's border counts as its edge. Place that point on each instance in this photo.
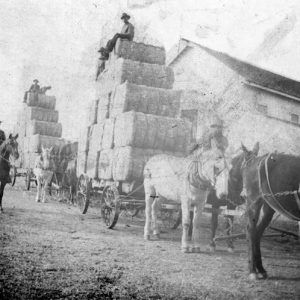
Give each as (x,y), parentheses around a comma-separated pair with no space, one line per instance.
(8,148)
(271,183)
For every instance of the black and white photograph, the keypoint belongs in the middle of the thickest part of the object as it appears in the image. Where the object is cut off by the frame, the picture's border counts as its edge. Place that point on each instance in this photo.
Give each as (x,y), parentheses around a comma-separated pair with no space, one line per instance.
(149,149)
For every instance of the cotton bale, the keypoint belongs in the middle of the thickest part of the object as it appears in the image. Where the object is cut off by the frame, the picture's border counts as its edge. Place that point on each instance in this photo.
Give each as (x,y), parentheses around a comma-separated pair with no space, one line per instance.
(92,112)
(141,73)
(96,137)
(149,100)
(82,163)
(139,52)
(152,132)
(106,164)
(92,164)
(41,114)
(44,128)
(108,134)
(41,100)
(84,141)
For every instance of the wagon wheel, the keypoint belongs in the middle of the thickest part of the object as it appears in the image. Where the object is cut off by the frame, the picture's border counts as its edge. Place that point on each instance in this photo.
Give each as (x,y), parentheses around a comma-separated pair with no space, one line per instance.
(13,175)
(27,179)
(82,198)
(110,206)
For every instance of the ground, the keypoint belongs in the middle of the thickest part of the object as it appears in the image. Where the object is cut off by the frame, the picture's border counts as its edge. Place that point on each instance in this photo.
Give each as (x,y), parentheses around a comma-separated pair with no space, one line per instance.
(51,251)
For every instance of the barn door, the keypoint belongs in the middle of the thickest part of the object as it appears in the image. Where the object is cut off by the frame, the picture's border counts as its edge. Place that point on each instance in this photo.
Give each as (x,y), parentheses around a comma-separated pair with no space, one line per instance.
(192,116)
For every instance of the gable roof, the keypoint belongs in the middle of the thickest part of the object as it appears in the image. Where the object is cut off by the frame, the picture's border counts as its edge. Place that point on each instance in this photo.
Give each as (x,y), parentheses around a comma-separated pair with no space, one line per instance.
(255,75)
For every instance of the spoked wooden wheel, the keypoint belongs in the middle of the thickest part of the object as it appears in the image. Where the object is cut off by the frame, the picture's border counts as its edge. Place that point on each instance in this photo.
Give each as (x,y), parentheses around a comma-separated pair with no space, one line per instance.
(13,175)
(27,179)
(82,199)
(110,206)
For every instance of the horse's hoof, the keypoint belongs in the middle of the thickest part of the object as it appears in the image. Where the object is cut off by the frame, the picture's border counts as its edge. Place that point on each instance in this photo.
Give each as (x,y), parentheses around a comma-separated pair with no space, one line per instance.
(186,249)
(262,275)
(196,250)
(230,250)
(147,237)
(253,276)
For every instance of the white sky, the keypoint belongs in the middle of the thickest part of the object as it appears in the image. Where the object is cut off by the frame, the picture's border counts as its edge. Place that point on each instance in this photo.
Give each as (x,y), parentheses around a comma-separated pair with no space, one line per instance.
(56,41)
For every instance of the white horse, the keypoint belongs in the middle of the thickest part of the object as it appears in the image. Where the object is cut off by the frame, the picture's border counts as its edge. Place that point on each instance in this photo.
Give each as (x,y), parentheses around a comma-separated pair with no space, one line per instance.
(43,170)
(186,181)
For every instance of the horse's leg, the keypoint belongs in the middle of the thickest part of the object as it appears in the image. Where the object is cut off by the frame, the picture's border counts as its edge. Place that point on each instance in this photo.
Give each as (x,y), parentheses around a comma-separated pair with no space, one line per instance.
(253,209)
(155,207)
(214,226)
(228,230)
(191,224)
(2,186)
(265,218)
(185,208)
(46,188)
(198,208)
(38,189)
(148,204)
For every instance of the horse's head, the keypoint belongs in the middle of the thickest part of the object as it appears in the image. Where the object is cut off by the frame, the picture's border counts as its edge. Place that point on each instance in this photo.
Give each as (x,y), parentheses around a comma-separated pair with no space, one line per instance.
(11,146)
(238,163)
(46,157)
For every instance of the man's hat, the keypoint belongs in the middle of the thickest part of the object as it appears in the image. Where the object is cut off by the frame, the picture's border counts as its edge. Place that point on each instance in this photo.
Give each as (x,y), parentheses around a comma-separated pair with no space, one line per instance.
(35,80)
(125,16)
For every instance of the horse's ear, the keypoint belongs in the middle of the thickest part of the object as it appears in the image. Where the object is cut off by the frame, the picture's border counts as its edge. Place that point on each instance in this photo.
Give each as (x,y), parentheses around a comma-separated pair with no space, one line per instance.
(51,149)
(16,136)
(10,136)
(256,148)
(43,149)
(244,148)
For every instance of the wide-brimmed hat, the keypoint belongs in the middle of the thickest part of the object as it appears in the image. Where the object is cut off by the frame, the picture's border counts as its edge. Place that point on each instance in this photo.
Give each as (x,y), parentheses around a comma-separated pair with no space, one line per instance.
(125,16)
(217,122)
(35,80)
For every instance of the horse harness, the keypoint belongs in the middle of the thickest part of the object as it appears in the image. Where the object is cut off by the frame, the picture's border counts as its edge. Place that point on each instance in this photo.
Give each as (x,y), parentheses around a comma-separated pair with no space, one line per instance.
(266,196)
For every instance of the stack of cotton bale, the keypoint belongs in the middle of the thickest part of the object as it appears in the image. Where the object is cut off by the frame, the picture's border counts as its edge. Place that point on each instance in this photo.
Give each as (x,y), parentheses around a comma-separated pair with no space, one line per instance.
(135,115)
(37,126)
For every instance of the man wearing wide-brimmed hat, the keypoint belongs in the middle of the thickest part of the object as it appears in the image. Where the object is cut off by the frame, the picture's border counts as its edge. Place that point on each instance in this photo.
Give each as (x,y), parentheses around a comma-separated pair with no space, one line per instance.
(127,33)
(34,88)
(216,134)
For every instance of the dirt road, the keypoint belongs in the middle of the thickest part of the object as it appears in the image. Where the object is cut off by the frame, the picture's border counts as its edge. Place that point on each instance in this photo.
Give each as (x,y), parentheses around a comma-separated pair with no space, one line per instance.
(50,251)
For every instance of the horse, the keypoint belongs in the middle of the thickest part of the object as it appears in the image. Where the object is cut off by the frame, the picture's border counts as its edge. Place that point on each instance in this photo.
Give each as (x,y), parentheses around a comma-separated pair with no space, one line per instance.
(270,184)
(186,181)
(8,148)
(44,168)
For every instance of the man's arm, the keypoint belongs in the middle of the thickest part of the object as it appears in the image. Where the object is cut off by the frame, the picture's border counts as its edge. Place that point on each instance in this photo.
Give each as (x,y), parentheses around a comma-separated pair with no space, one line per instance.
(129,33)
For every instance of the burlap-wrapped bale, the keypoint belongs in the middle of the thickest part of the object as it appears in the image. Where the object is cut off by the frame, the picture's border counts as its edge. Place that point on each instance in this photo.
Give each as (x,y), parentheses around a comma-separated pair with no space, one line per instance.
(149,100)
(37,141)
(129,163)
(96,137)
(41,114)
(41,100)
(44,128)
(84,141)
(92,164)
(92,112)
(139,52)
(82,163)
(152,132)
(106,164)
(103,107)
(108,134)
(139,73)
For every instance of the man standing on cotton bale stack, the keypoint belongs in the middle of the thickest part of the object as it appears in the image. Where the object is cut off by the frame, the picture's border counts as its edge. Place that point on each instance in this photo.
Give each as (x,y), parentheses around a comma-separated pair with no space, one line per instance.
(127,33)
(35,88)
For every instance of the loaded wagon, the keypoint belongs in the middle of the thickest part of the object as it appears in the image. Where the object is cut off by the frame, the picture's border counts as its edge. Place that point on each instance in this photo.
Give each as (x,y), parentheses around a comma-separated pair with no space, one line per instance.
(135,116)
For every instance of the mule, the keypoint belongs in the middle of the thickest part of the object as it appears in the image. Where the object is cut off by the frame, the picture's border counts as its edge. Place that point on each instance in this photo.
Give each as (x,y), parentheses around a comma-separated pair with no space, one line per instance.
(44,168)
(270,184)
(186,181)
(8,148)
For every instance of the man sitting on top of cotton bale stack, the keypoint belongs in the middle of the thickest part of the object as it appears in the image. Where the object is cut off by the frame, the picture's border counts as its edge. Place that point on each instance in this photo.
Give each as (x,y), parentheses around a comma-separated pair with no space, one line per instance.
(35,88)
(127,33)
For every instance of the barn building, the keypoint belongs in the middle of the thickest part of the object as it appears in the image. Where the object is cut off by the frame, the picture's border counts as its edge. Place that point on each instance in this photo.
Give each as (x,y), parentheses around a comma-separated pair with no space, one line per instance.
(208,76)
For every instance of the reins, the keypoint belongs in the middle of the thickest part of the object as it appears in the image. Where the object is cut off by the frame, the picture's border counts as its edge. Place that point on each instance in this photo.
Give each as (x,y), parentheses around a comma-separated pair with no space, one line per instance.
(271,194)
